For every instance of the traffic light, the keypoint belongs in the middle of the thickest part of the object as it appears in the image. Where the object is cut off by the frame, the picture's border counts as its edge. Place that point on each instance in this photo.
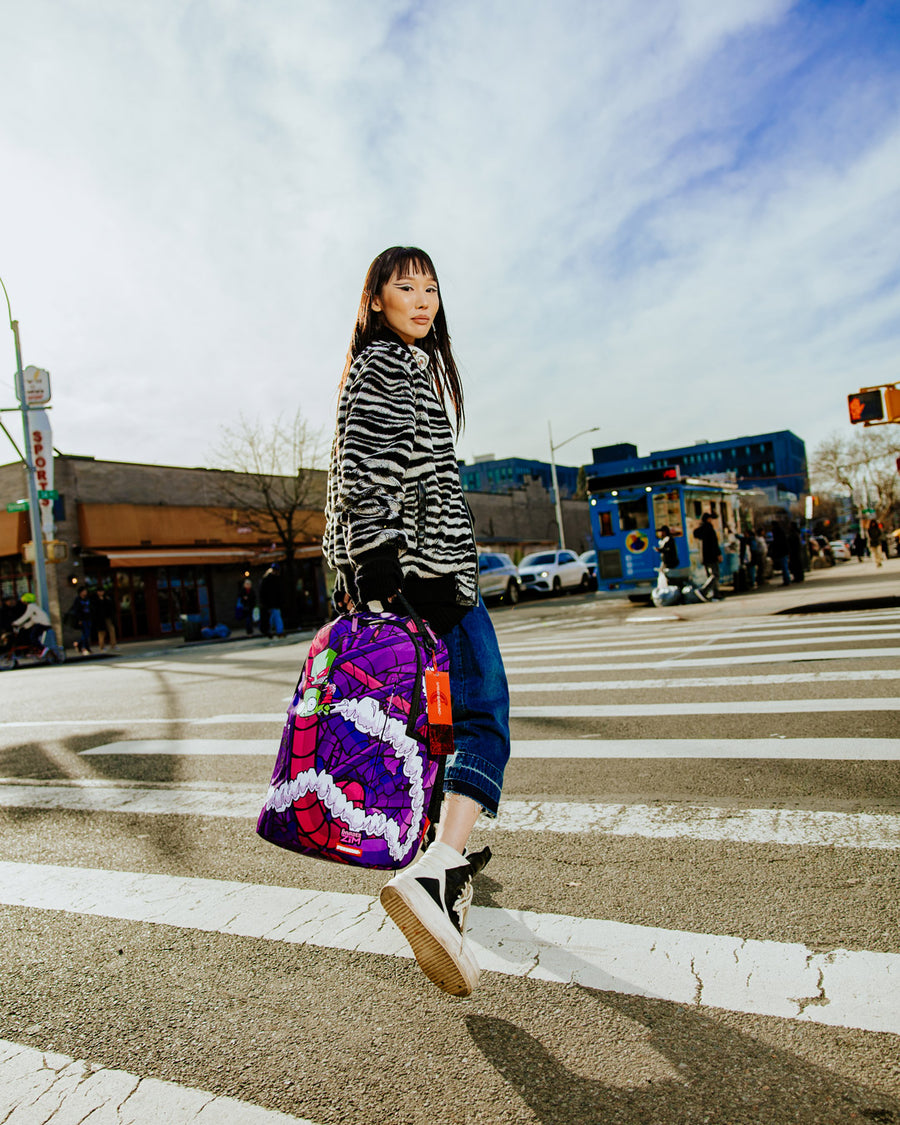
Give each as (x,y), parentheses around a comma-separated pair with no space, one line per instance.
(892,404)
(866,406)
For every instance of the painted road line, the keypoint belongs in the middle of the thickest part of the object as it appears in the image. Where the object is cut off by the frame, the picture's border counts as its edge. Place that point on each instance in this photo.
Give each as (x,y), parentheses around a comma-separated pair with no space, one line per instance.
(704,682)
(722,707)
(191,747)
(780,749)
(815,629)
(796,620)
(688,645)
(827,676)
(823,633)
(244,804)
(559,660)
(784,827)
(840,988)
(828,749)
(259,717)
(99,722)
(269,717)
(38,1086)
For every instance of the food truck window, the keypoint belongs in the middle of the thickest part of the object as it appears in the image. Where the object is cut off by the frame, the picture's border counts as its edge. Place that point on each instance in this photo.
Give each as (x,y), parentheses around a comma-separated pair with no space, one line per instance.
(605,524)
(634,515)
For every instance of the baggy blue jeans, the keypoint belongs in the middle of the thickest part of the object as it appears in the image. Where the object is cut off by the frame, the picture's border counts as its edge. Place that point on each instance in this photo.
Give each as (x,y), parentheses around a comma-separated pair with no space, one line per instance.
(480,710)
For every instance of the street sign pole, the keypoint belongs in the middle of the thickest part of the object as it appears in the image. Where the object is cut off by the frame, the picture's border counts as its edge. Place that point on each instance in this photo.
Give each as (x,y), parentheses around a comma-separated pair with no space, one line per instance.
(34,509)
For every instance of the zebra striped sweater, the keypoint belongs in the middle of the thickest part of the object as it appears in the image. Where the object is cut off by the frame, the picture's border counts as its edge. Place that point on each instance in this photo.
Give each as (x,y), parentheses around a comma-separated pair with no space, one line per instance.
(394,478)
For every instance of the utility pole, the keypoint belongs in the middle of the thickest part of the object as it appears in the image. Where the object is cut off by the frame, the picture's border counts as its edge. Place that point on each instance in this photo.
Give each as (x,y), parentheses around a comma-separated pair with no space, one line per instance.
(553,449)
(39,569)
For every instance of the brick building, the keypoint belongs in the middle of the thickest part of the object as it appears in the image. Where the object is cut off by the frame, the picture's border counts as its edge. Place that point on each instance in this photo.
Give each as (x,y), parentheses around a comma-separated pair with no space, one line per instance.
(163,541)
(166,541)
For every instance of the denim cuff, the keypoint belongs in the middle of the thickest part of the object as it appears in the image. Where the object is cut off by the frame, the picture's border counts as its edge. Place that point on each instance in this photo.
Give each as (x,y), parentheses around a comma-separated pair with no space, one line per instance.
(475,785)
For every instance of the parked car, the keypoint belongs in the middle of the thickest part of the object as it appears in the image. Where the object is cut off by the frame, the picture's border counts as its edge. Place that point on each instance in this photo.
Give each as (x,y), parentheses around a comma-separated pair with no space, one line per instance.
(551,572)
(840,550)
(498,577)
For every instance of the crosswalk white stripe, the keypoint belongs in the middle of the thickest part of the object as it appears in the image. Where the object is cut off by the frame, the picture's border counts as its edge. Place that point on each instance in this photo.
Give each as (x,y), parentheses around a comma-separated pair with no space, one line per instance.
(795,620)
(636,710)
(662,626)
(721,640)
(814,628)
(786,827)
(781,749)
(725,681)
(561,659)
(516,687)
(189,747)
(43,1086)
(840,988)
(687,645)
(719,707)
(827,749)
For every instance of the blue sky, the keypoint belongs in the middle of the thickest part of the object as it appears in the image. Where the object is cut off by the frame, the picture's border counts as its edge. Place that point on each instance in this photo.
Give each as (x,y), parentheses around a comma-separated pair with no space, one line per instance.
(673,220)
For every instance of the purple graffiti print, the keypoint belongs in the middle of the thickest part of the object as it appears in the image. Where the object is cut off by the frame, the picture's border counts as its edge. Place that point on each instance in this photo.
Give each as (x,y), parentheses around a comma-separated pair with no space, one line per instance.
(353,777)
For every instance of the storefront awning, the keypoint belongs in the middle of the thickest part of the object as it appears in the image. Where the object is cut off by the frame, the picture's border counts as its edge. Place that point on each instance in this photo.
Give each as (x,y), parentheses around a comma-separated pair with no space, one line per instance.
(199,556)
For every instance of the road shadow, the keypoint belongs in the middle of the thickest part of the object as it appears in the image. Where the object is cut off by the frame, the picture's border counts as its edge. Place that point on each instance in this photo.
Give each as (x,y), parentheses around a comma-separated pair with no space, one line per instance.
(729,1078)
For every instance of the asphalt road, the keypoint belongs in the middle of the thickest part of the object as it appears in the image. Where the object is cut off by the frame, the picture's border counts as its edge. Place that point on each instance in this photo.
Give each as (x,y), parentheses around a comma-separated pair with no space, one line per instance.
(690,916)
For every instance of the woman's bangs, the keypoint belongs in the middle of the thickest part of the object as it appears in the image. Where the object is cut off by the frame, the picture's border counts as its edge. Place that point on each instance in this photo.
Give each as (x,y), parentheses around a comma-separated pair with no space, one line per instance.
(411,261)
(407,261)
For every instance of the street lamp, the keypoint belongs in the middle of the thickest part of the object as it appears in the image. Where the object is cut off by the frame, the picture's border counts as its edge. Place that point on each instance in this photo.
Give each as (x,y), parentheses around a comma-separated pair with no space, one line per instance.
(553,449)
(34,510)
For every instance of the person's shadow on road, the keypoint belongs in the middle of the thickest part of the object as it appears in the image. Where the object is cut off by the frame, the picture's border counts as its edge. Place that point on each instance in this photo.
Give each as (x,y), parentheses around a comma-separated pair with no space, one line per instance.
(729,1078)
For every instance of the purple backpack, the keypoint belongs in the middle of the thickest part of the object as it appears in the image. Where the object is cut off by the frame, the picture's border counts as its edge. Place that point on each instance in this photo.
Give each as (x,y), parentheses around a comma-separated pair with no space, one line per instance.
(353,779)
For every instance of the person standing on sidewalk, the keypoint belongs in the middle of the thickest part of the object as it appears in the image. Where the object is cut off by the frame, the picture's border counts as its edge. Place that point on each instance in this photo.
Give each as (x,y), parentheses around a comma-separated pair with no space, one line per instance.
(795,553)
(245,605)
(778,552)
(710,552)
(875,542)
(397,522)
(270,602)
(105,612)
(81,617)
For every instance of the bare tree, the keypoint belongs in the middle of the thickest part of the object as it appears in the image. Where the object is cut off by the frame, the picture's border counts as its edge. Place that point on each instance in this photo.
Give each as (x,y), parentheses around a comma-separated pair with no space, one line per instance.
(862,464)
(276,484)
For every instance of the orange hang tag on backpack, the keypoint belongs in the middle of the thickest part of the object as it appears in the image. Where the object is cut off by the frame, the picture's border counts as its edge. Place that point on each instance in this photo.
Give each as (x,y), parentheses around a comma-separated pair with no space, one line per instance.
(440,720)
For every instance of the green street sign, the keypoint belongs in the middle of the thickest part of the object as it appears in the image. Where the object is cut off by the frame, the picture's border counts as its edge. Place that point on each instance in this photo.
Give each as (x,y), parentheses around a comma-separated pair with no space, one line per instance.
(48,494)
(19,506)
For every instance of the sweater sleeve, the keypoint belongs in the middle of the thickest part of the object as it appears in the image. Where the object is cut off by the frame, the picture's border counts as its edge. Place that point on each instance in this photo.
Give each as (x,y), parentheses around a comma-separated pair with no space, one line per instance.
(376,443)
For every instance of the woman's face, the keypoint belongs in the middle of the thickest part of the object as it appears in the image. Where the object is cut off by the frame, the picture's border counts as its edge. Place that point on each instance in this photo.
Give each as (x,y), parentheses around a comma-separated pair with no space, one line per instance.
(409,303)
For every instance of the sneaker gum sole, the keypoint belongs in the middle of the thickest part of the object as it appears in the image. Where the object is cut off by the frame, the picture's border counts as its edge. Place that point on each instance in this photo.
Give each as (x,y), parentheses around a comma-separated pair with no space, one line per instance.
(433,959)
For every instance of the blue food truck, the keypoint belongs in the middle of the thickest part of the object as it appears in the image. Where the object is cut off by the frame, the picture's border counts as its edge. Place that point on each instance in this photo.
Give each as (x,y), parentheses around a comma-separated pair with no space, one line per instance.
(629,509)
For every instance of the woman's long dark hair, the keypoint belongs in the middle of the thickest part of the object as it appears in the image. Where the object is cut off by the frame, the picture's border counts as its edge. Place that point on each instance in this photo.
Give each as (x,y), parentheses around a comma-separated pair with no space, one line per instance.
(371,325)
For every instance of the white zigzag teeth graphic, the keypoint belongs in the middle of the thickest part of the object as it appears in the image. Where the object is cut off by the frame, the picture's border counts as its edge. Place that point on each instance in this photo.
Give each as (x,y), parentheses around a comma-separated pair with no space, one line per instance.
(368,718)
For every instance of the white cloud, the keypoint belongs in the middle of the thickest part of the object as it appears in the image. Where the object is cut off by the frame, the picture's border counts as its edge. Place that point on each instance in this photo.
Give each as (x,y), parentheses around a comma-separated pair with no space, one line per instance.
(643,218)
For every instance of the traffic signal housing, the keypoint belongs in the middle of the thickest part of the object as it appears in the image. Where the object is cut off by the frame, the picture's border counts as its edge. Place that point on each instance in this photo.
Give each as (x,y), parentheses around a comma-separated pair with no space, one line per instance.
(892,404)
(865,406)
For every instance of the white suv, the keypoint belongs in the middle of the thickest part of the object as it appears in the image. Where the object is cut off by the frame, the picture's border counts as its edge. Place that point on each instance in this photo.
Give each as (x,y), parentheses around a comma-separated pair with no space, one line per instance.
(551,572)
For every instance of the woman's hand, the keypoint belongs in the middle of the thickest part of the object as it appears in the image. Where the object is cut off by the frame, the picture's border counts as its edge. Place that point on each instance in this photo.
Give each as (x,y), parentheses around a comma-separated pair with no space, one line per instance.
(379,576)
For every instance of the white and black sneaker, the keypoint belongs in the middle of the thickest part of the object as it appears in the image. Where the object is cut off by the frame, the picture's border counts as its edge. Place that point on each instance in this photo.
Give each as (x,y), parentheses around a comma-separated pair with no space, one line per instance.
(429,901)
